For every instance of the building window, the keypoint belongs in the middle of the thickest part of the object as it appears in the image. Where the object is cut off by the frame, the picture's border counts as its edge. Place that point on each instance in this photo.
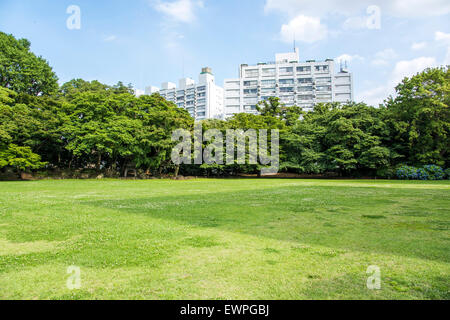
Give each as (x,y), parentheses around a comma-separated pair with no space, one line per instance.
(268,71)
(286,69)
(250,91)
(250,83)
(304,69)
(286,81)
(323,88)
(325,97)
(323,80)
(322,68)
(251,73)
(286,89)
(268,90)
(304,80)
(306,88)
(306,97)
(249,107)
(268,82)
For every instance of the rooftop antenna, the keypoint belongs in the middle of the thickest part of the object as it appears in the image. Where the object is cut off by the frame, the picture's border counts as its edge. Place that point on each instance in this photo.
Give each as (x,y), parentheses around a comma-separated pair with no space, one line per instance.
(294,41)
(182,65)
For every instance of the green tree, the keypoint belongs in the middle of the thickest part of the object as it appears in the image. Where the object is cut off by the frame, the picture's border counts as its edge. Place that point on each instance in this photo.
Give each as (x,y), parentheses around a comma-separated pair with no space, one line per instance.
(339,138)
(419,118)
(70,88)
(270,107)
(20,157)
(159,118)
(22,71)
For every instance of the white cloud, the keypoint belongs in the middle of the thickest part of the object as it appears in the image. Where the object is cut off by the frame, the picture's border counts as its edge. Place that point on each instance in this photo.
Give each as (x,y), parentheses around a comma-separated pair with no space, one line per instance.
(442,37)
(316,8)
(398,8)
(447,57)
(179,10)
(379,62)
(176,12)
(303,28)
(386,54)
(383,57)
(355,23)
(418,8)
(408,68)
(402,69)
(374,96)
(173,40)
(418,45)
(110,38)
(348,57)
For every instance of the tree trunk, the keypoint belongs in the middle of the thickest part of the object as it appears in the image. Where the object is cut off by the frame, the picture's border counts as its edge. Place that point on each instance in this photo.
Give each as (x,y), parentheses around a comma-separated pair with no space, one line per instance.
(99,161)
(177,169)
(123,167)
(70,162)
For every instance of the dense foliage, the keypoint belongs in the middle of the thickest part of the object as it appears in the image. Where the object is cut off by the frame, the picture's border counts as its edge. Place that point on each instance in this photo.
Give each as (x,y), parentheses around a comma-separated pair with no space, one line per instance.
(86,125)
(22,71)
(428,172)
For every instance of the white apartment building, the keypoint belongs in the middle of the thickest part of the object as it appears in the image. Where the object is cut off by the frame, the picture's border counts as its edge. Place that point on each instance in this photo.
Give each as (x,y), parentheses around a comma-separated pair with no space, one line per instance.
(203,100)
(295,83)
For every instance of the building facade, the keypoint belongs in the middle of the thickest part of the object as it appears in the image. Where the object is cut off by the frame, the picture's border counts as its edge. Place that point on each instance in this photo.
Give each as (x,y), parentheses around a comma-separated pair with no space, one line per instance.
(203,100)
(296,83)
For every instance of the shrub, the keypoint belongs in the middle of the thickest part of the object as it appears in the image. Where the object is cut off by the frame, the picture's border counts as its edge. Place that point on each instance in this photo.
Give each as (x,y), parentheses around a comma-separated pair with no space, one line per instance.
(434,172)
(406,173)
(447,173)
(423,174)
(428,172)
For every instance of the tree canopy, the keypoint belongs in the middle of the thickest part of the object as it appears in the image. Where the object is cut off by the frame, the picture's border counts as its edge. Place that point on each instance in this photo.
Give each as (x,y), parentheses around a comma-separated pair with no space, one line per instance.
(419,118)
(22,71)
(88,125)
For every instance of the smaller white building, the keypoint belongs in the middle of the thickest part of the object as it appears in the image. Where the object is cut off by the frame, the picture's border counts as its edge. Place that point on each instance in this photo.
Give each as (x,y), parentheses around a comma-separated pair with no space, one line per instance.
(151,89)
(203,100)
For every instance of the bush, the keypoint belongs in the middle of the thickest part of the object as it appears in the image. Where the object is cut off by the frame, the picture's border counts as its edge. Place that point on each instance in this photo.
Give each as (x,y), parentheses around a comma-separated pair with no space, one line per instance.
(406,173)
(447,173)
(423,174)
(428,172)
(434,172)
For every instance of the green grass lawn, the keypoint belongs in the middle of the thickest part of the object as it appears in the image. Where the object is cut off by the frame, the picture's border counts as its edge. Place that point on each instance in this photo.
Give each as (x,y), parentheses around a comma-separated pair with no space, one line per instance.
(224,239)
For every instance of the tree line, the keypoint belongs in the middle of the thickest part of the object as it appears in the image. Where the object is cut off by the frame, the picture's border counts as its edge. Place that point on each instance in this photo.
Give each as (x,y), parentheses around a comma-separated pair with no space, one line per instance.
(86,125)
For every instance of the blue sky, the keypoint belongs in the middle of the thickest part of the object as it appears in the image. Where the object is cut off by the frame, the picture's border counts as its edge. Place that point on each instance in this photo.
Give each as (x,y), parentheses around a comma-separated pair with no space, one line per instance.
(146,42)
